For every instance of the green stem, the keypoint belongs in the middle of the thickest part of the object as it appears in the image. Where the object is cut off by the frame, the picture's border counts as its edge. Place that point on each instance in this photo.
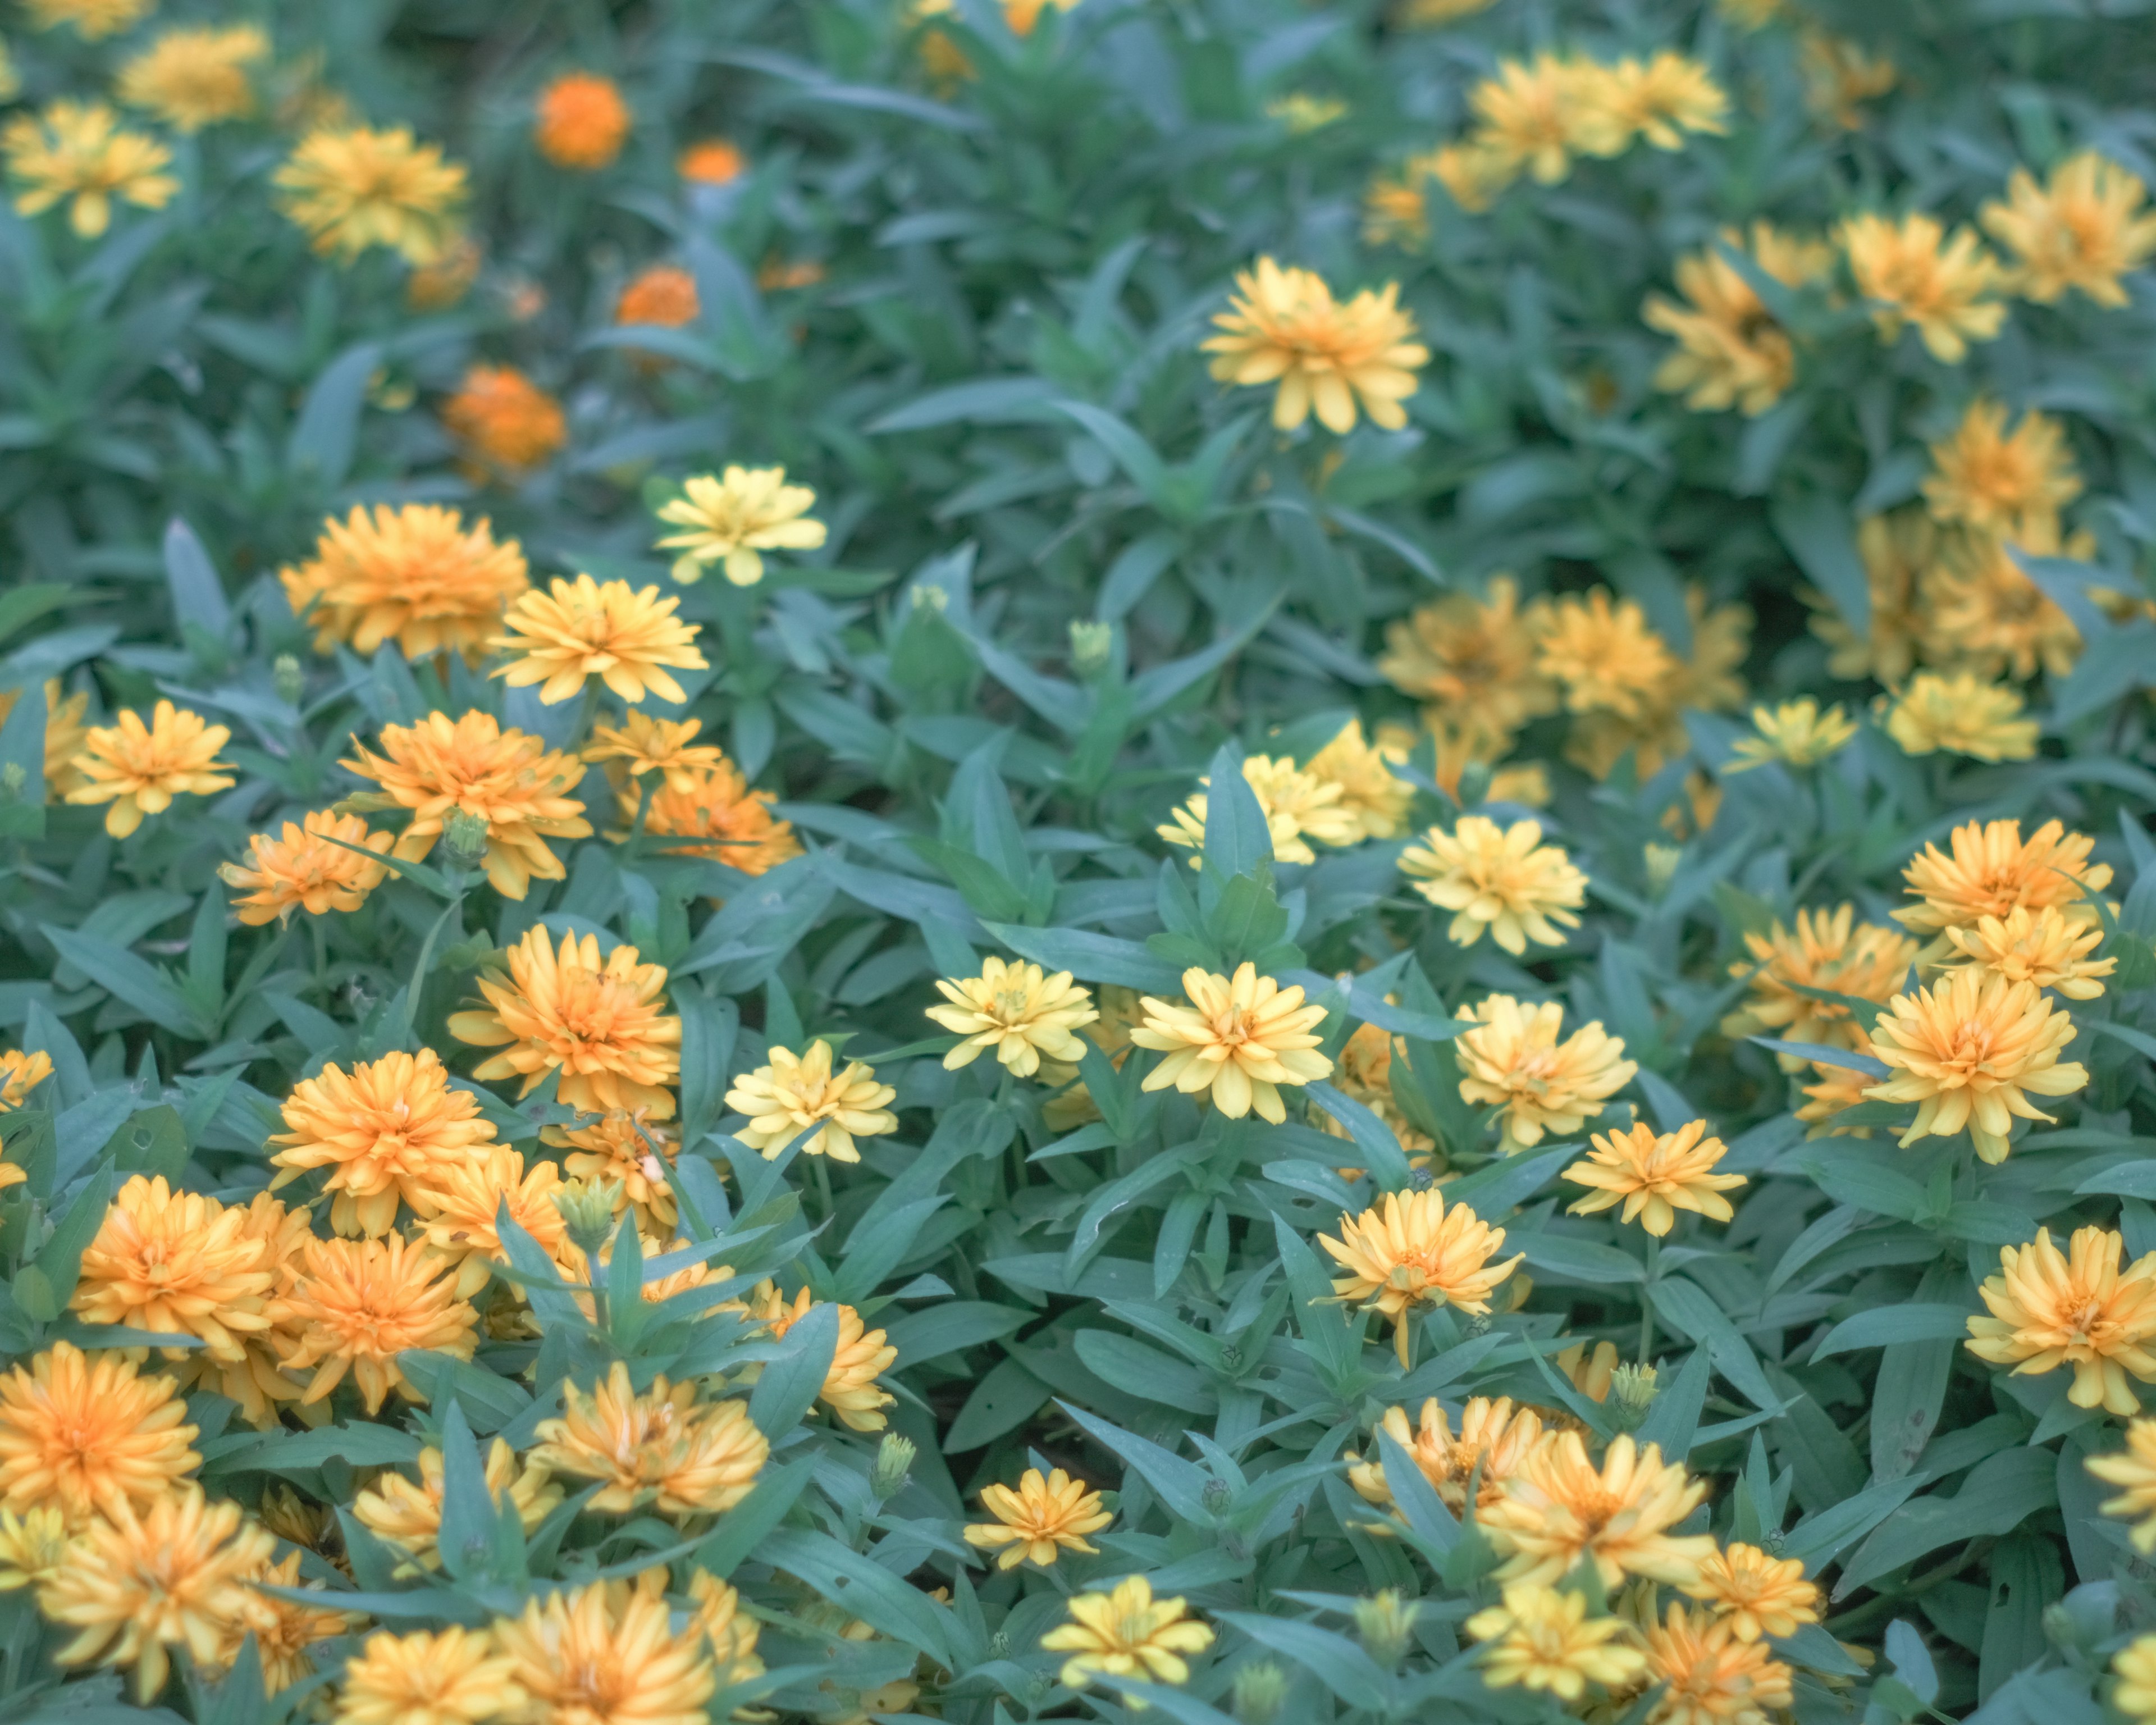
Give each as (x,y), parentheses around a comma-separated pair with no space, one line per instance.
(1647,1302)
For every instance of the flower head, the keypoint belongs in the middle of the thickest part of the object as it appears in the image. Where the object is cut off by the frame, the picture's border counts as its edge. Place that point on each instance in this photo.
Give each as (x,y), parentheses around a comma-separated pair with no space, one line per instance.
(1370,794)
(416,576)
(31,1547)
(177,1262)
(2135,1469)
(2039,948)
(191,79)
(1840,75)
(1494,1437)
(1713,1677)
(357,1305)
(386,1131)
(1655,1175)
(731,1632)
(1993,871)
(505,421)
(79,152)
(1503,881)
(1914,274)
(20,1074)
(283,1628)
(407,1514)
(1983,612)
(629,1153)
(800,1093)
(1043,1518)
(139,768)
(2135,1692)
(1659,100)
(1896,549)
(1409,1251)
(1986,479)
(456,1677)
(1474,171)
(1963,715)
(2048,1310)
(665,295)
(1559,1511)
(728,521)
(665,746)
(85,1433)
(1829,951)
(1603,656)
(1237,1040)
(246,1371)
(712,162)
(1542,1638)
(444,283)
(1018,1012)
(2084,228)
(1535,117)
(1796,733)
(662,1449)
(91,19)
(1755,1595)
(712,812)
(1473,659)
(1297,805)
(582,121)
(1731,351)
(1127,1633)
(463,1200)
(303,871)
(606,1654)
(628,638)
(1283,326)
(1513,1060)
(351,187)
(65,734)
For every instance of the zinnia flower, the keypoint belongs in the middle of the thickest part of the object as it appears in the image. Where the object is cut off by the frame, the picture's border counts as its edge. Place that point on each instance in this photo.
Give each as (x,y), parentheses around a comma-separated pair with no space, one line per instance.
(505,421)
(1968,1050)
(1915,276)
(455,1677)
(1409,1251)
(1964,715)
(1559,1511)
(1295,803)
(627,1152)
(283,1628)
(2039,948)
(731,1632)
(795,1094)
(665,295)
(1755,1595)
(1731,351)
(1605,656)
(302,871)
(191,79)
(2084,230)
(248,1374)
(1796,733)
(662,1449)
(65,734)
(1534,116)
(1513,1060)
(1283,326)
(1494,1436)
(1127,1633)
(1840,75)
(83,1434)
(2134,1468)
(1542,1638)
(31,1547)
(1370,794)
(79,152)
(626,638)
(729,520)
(177,1262)
(1993,871)
(1712,1677)
(711,162)
(863,1355)
(607,1652)
(1018,1012)
(2050,1310)
(582,121)
(1659,100)
(444,283)
(464,1201)
(1472,660)
(1501,880)
(1655,1175)
(2135,1692)
(416,576)
(407,1515)
(20,1074)
(1985,613)
(351,187)
(1829,951)
(712,813)
(385,1131)
(1237,1040)
(1044,1517)
(359,1304)
(91,19)
(1986,479)
(139,768)
(665,746)
(1896,548)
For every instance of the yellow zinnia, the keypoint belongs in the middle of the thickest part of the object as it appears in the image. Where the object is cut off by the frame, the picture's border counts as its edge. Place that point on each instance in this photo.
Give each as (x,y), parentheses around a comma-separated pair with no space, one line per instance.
(1283,327)
(1655,1175)
(1513,1060)
(1560,1510)
(191,79)
(416,576)
(1409,1251)
(351,188)
(2049,1309)
(1237,1040)
(79,152)
(1501,880)
(1017,1012)
(139,768)
(1044,1516)
(1127,1633)
(628,638)
(2083,229)
(729,520)
(793,1094)
(1542,1638)
(1916,276)
(1963,715)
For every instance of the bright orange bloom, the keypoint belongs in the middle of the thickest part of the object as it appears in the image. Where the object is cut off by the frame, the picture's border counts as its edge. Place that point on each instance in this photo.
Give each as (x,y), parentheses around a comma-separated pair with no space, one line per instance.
(302,871)
(505,421)
(359,1304)
(85,1434)
(582,122)
(386,1130)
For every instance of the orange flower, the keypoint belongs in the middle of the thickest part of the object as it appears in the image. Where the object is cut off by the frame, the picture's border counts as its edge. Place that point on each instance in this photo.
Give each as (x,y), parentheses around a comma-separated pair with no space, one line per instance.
(385,1131)
(715,815)
(2048,1310)
(302,871)
(505,421)
(627,638)
(416,576)
(409,1515)
(1559,1511)
(177,1262)
(1712,1676)
(359,1304)
(711,162)
(85,1434)
(1757,1594)
(662,1449)
(1655,1175)
(1494,1437)
(465,1201)
(606,1655)
(629,1152)
(1829,950)
(583,122)
(1409,1250)
(1046,1515)
(665,295)
(643,744)
(139,768)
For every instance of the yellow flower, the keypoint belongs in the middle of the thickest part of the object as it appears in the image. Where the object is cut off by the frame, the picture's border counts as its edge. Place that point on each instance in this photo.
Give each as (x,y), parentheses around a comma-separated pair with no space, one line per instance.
(415,576)
(79,151)
(31,1547)
(246,1371)
(665,746)
(1656,1175)
(1369,794)
(132,1589)
(1829,950)
(90,18)
(1589,1374)
(20,1074)
(2134,1468)
(1914,274)
(139,768)
(582,122)
(1969,1050)
(1559,1511)
(1017,1011)
(1963,715)
(84,1433)
(1712,1677)
(1897,549)
(628,1151)
(2050,1310)
(407,1515)
(285,1629)
(505,421)
(1542,1638)
(1044,1517)
(1839,1088)
(1473,173)
(64,735)
(471,766)
(1755,1595)
(1284,326)
(385,1131)
(301,871)
(191,79)
(1395,210)
(351,188)
(2039,948)
(1796,733)
(1127,1633)
(1237,1040)
(728,521)
(1300,112)
(712,813)
(729,1631)
(712,162)
(1473,660)
(1839,75)
(1513,1060)
(665,295)
(850,1388)
(661,1450)
(444,283)
(1993,871)
(1731,351)
(1605,657)
(177,1262)
(799,1093)
(1425,15)
(1493,1436)
(357,1305)
(1534,117)
(2085,228)
(2135,1663)
(1501,880)
(1659,100)
(462,1204)
(1296,802)
(455,1677)
(606,1653)
(1409,1251)
(1994,482)
(1987,615)
(628,638)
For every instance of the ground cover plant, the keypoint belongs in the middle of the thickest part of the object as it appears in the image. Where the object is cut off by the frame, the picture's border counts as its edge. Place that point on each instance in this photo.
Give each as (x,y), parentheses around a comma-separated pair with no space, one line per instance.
(1011,858)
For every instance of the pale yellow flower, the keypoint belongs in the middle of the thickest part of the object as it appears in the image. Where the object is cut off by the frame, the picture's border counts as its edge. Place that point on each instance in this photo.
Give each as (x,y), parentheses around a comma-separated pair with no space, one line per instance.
(2085,228)
(1016,1012)
(77,151)
(729,520)
(2039,948)
(1963,715)
(1542,1638)
(1237,1040)
(1500,881)
(1375,800)
(1796,734)
(1283,327)
(798,1094)
(2049,1309)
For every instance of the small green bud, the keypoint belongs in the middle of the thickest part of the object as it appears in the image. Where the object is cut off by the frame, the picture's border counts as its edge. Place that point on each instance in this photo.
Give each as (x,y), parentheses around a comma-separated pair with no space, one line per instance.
(1384,1622)
(927,594)
(1661,862)
(588,1212)
(1260,1692)
(1215,1495)
(894,1461)
(288,678)
(464,837)
(1090,643)
(1632,1390)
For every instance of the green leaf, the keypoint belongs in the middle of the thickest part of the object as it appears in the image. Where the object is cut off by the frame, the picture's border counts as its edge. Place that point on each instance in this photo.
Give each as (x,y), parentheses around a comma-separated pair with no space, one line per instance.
(789,1386)
(1885,1325)
(120,973)
(1998,1494)
(1091,957)
(1818,534)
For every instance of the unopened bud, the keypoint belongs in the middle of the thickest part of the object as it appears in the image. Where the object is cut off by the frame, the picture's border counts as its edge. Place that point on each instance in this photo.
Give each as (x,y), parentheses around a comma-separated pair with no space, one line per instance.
(464,837)
(1384,1622)
(1661,864)
(927,594)
(1632,1390)
(1215,1495)
(288,678)
(894,1461)
(1089,645)
(14,780)
(587,1208)
(1260,1692)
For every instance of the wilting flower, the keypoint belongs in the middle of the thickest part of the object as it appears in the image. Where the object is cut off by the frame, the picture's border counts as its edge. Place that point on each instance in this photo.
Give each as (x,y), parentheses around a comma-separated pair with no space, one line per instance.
(1829,951)
(177,1262)
(1659,100)
(1731,351)
(712,162)
(303,871)
(1127,1633)
(91,19)
(1513,1060)
(1015,1011)
(79,152)
(386,1130)
(1237,1040)
(505,421)
(1542,1638)
(1494,1437)
(1473,659)
(1297,804)
(729,520)
(1982,611)
(351,187)
(1603,656)
(1968,1050)
(606,1652)
(1714,1677)
(1963,715)
(863,1355)
(2133,1468)
(407,1514)
(1915,276)
(1043,1518)
(2084,228)
(416,576)
(1986,479)
(665,746)
(1503,881)
(1993,871)
(626,638)
(799,1093)
(1409,1251)
(1796,733)
(2039,948)
(1370,794)
(1559,1511)
(455,1677)
(1533,117)
(139,768)
(82,1434)
(359,1304)
(662,1449)
(582,121)
(712,813)
(627,1152)
(1896,548)
(464,1200)
(1655,1175)
(191,79)
(2049,1309)
(1283,326)
(1755,1595)
(20,1074)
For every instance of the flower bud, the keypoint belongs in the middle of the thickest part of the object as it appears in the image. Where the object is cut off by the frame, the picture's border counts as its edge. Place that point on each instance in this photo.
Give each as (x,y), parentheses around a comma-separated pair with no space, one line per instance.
(1384,1622)
(288,678)
(1090,643)
(1260,1692)
(1661,862)
(587,1207)
(464,837)
(894,1461)
(1632,1390)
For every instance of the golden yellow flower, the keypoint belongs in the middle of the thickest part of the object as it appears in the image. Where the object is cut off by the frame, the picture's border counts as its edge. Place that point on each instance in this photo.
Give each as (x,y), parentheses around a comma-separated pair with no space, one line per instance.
(31,1547)
(1915,275)
(1473,172)
(134,1588)
(660,1451)
(606,1655)
(1395,210)
(1964,715)
(444,283)
(627,1151)
(455,1677)
(1712,1677)
(351,187)
(2085,228)
(1296,802)
(177,1262)
(302,871)
(1534,116)
(728,521)
(1559,1511)
(91,19)
(65,734)
(1127,1633)
(1896,549)
(582,121)
(627,638)
(1829,950)
(285,1629)
(1603,656)
(191,79)
(1993,871)
(2039,948)
(83,1434)
(79,152)
(359,1304)
(1589,1374)
(1755,1595)
(1655,1175)
(1795,733)
(2135,1694)
(2048,1310)
(850,1388)
(407,1514)
(1968,1050)
(1839,1088)
(1425,15)
(1501,880)
(20,1074)
(465,1198)
(712,813)
(1731,351)
(665,295)
(1472,660)
(1043,1518)
(247,1372)
(139,768)
(1985,612)
(1284,326)
(712,162)
(2134,1468)
(471,766)
(1513,1060)
(665,746)
(1542,1638)
(1659,100)
(385,1131)
(416,576)
(1985,478)
(1370,794)
(731,1632)
(1017,1011)
(1409,1251)
(504,421)
(1237,1040)
(1494,1437)
(799,1093)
